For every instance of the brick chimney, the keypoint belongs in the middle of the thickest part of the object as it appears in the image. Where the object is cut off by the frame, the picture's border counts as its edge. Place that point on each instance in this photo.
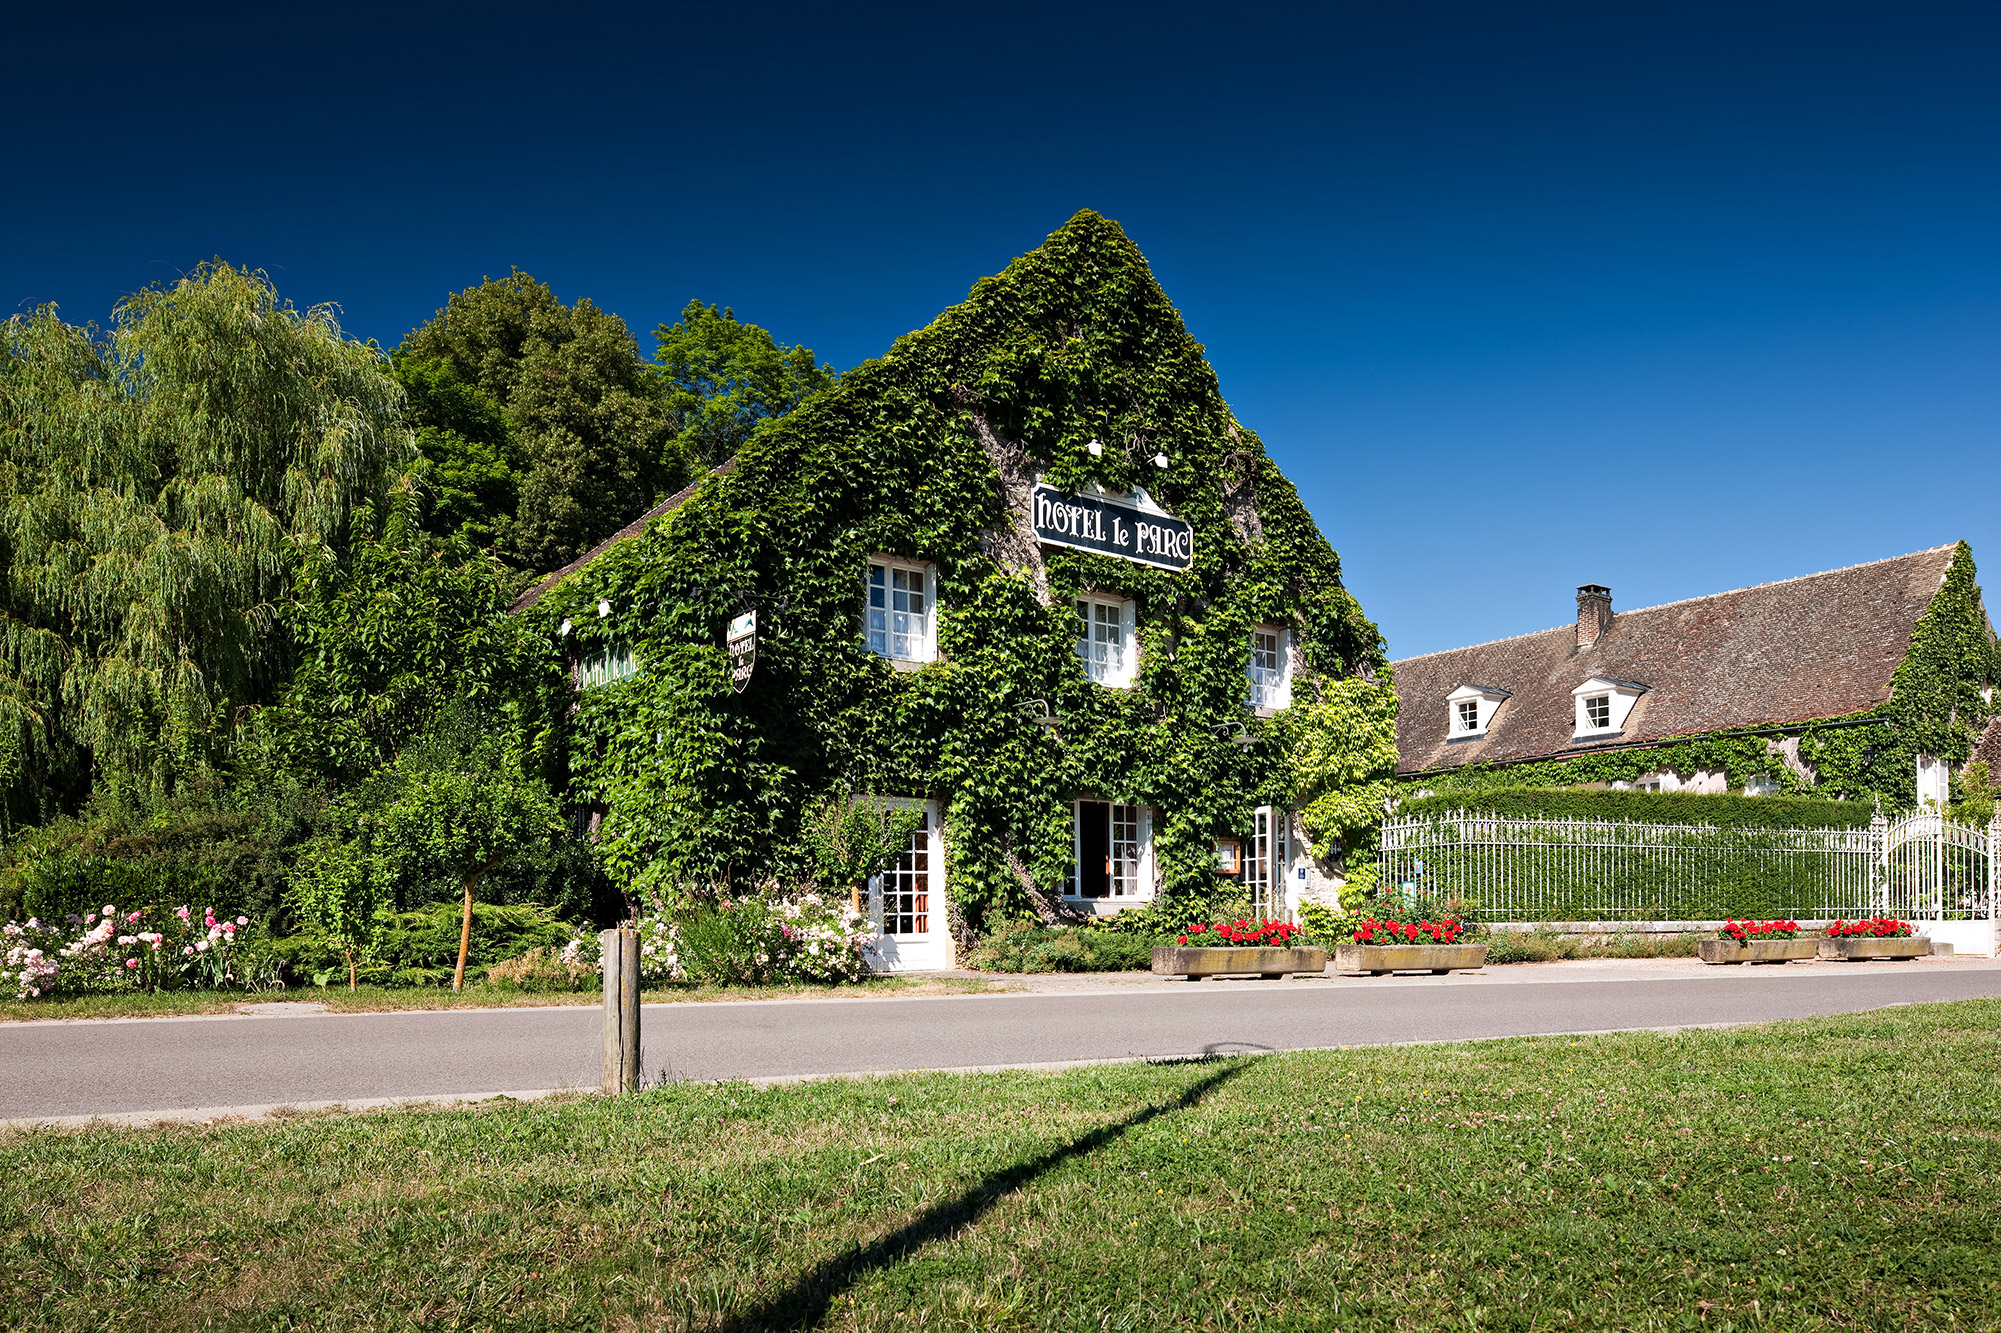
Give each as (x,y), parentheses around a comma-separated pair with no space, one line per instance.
(1594,613)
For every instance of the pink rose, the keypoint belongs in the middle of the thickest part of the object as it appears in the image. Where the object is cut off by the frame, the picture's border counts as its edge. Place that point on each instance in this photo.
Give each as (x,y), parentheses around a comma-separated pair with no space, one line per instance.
(243,921)
(109,910)
(132,918)
(187,949)
(131,962)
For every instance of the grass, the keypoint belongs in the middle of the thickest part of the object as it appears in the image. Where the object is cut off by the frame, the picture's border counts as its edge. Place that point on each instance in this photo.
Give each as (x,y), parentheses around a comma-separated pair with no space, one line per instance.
(382,999)
(1834,1173)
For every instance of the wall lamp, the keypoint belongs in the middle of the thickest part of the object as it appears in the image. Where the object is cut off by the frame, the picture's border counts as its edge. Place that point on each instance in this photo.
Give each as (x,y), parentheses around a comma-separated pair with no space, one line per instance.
(1038,712)
(1236,732)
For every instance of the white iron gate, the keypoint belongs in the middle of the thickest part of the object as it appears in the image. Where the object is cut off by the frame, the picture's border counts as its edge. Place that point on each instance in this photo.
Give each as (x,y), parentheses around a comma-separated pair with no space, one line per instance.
(1936,870)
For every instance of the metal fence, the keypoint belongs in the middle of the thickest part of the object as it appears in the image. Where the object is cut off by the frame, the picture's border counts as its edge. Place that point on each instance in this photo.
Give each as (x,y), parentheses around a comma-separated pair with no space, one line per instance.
(1922,866)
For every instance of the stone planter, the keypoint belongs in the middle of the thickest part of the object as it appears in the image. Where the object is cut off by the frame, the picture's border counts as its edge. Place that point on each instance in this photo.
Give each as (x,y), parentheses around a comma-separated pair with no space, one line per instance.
(1385,958)
(1196,963)
(1755,951)
(1862,948)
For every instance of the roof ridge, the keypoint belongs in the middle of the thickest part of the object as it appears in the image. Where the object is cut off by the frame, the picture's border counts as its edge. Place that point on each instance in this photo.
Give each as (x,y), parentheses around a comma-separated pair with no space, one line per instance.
(1683,601)
(547,584)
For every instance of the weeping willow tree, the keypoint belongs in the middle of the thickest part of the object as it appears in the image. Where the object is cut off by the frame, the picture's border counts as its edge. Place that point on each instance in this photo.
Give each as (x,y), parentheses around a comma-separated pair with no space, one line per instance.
(162,484)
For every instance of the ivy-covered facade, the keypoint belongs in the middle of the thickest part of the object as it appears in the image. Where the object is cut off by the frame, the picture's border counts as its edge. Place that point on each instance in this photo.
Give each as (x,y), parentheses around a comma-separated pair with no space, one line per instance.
(1027,573)
(1871,683)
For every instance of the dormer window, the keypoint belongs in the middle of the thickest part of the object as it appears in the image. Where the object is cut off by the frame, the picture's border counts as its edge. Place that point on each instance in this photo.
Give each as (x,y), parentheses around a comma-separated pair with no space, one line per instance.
(1603,705)
(1471,710)
(898,619)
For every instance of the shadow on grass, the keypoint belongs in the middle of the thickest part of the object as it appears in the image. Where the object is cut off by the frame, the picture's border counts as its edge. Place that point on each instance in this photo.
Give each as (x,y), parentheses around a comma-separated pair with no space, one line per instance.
(804,1303)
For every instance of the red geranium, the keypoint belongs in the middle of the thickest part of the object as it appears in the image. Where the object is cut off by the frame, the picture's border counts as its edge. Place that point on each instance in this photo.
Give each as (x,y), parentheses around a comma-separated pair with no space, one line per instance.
(1265,934)
(1741,931)
(1875,927)
(1447,931)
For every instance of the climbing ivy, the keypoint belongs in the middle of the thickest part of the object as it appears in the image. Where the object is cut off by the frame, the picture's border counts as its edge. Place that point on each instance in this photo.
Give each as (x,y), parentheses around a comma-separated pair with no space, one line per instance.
(929,453)
(1935,707)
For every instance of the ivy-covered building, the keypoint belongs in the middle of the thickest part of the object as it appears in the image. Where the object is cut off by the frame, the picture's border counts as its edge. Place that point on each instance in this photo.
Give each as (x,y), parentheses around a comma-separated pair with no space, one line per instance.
(1874,681)
(1027,573)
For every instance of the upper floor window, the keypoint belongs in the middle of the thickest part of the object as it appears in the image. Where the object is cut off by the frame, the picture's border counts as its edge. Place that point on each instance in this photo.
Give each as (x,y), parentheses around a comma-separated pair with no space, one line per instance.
(899,622)
(1603,704)
(1271,668)
(1105,640)
(1472,709)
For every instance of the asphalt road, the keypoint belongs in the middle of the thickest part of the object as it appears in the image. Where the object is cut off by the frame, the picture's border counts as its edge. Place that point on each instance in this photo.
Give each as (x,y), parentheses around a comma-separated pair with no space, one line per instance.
(172,1064)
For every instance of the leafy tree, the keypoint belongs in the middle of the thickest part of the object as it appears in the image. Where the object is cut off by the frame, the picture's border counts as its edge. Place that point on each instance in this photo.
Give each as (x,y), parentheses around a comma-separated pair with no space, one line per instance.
(338,890)
(457,805)
(390,636)
(852,837)
(595,438)
(472,466)
(725,377)
(162,486)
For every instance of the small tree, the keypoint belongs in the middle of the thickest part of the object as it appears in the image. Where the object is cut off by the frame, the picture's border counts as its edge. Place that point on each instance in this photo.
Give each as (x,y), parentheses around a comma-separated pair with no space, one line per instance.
(853,837)
(340,891)
(459,805)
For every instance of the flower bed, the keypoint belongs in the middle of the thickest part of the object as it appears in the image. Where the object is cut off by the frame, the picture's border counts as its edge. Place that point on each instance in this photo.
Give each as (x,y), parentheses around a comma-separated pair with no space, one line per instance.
(1371,931)
(148,949)
(1874,927)
(1239,935)
(756,940)
(1876,937)
(1744,931)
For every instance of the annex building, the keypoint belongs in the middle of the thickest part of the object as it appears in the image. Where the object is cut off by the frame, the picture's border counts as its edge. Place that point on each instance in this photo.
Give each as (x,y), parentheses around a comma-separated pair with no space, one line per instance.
(1871,682)
(1026,575)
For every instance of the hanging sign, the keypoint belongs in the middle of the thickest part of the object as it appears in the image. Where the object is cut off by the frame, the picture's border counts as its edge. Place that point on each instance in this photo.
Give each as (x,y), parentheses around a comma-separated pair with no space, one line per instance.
(1108,527)
(742,643)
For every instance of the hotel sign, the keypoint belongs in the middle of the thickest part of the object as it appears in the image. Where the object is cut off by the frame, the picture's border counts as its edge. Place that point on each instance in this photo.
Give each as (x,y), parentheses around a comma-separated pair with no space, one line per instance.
(1087,523)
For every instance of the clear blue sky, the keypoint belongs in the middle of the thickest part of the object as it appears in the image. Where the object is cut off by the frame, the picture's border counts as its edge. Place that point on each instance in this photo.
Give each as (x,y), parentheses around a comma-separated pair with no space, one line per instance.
(1673,297)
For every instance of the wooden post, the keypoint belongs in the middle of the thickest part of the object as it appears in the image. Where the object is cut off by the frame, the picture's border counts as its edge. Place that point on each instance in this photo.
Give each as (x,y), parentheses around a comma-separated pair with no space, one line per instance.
(621,1010)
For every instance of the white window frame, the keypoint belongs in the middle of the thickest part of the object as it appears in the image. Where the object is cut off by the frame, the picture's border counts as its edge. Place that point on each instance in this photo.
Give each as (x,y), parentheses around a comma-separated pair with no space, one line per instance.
(1113,670)
(1270,687)
(1619,697)
(921,637)
(1267,857)
(934,948)
(1139,886)
(1934,781)
(1761,784)
(611,663)
(1486,700)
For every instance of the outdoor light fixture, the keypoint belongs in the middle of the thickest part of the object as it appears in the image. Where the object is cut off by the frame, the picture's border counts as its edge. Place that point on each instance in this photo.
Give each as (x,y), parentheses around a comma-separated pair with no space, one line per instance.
(1160,460)
(1235,731)
(604,609)
(1038,710)
(564,632)
(1097,448)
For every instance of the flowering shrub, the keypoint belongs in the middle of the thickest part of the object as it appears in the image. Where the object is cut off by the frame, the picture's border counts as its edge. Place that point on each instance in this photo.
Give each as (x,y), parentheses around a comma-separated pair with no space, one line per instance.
(578,965)
(755,939)
(1371,931)
(1874,927)
(1741,931)
(1239,934)
(146,949)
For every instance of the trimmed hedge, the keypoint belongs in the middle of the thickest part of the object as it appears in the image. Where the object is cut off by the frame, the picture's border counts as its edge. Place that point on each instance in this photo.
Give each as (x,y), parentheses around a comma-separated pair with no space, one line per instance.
(1647,807)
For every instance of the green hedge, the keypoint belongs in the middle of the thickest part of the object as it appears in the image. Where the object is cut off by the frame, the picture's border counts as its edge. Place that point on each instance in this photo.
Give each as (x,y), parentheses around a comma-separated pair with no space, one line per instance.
(1647,807)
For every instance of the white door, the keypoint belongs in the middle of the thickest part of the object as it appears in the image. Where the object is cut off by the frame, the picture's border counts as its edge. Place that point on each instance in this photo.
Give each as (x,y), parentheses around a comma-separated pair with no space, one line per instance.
(908,902)
(1265,862)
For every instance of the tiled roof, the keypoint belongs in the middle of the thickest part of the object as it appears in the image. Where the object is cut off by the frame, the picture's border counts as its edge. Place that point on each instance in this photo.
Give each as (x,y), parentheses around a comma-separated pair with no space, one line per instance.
(1824,645)
(1988,748)
(632,529)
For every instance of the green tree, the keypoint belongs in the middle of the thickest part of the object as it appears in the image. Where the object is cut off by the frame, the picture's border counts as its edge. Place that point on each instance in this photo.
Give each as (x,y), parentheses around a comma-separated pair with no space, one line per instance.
(387,638)
(338,890)
(472,467)
(593,434)
(457,805)
(725,377)
(162,486)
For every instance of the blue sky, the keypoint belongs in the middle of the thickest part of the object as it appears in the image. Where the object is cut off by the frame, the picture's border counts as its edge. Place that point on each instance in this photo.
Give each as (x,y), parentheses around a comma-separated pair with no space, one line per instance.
(1670,297)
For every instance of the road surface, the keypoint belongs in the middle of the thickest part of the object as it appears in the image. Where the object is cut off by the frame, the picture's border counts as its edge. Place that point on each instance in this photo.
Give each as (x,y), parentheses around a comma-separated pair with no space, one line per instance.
(166,1065)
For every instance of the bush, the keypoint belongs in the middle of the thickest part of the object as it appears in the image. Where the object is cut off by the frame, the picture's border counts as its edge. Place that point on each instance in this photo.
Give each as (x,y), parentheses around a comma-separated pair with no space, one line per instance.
(1529,946)
(756,939)
(421,948)
(577,966)
(1645,807)
(109,949)
(1025,946)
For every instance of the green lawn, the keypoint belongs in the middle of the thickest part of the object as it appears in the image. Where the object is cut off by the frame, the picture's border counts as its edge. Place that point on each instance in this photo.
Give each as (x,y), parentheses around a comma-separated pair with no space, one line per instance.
(380,999)
(1837,1173)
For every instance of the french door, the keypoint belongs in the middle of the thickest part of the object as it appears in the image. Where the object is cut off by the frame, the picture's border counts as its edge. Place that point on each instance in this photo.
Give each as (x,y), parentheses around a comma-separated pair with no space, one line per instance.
(907,901)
